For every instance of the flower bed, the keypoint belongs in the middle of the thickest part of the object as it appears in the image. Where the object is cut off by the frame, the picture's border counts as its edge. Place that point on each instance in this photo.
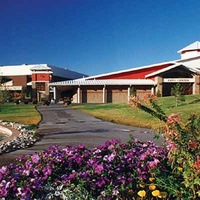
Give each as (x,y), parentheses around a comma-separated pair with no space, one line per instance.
(27,137)
(122,171)
(114,170)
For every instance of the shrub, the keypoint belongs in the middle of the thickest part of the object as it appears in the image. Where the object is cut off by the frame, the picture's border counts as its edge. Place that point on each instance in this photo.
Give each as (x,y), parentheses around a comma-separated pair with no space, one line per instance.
(46,102)
(181,177)
(25,101)
(111,171)
(17,101)
(34,101)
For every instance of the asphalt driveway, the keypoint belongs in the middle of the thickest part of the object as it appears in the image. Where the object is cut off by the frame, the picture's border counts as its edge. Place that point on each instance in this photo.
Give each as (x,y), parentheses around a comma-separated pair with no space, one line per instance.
(63,126)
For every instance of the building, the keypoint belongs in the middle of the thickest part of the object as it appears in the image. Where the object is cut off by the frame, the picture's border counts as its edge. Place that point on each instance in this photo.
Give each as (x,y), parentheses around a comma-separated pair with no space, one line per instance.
(155,78)
(32,81)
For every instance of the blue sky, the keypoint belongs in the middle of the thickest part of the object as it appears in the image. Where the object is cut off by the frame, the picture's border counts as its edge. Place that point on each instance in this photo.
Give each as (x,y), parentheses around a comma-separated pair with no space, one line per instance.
(96,36)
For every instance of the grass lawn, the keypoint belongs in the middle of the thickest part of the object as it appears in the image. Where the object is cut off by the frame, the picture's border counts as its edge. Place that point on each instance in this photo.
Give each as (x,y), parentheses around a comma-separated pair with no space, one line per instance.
(125,114)
(22,113)
(121,113)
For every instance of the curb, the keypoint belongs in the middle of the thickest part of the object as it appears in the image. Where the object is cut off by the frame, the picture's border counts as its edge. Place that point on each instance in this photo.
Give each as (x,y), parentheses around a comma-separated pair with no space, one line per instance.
(10,132)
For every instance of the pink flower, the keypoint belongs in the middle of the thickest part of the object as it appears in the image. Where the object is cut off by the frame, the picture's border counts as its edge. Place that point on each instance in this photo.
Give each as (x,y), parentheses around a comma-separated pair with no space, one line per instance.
(197,165)
(173,118)
(192,144)
(171,146)
(115,192)
(154,163)
(112,156)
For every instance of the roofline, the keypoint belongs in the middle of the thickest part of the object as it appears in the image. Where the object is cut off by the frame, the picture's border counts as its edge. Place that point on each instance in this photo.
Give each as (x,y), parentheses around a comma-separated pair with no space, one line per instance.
(131,69)
(189,48)
(171,67)
(23,65)
(79,82)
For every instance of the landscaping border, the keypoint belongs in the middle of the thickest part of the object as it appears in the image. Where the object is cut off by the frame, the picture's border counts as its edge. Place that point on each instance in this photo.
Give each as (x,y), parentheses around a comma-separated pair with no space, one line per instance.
(21,137)
(10,132)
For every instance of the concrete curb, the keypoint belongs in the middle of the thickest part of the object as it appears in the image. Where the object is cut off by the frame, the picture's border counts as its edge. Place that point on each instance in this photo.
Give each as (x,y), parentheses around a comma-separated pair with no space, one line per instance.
(10,132)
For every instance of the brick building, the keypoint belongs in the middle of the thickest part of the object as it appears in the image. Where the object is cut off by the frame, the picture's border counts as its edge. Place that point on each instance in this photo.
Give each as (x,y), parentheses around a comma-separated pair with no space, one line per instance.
(117,86)
(32,81)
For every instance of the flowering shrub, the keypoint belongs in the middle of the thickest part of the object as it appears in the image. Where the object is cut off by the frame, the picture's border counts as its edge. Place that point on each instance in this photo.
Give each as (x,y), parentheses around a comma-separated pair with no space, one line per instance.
(112,171)
(181,177)
(27,137)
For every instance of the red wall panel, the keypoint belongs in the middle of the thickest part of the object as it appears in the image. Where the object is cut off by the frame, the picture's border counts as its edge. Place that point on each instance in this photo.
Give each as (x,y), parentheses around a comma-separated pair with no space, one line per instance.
(135,74)
(41,77)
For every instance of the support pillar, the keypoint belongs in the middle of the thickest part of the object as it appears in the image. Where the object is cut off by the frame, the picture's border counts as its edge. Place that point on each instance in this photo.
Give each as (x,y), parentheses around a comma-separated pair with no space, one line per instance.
(47,90)
(159,82)
(34,91)
(196,85)
(54,93)
(152,90)
(79,95)
(104,95)
(129,93)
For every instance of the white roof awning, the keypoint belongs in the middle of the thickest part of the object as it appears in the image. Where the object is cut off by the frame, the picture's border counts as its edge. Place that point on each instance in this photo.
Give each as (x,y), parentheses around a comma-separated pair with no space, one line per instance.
(29,83)
(13,88)
(104,82)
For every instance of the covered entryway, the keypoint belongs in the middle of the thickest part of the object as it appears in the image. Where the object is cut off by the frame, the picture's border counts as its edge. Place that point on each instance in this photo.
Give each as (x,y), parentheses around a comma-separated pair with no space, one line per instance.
(102,91)
(179,74)
(187,88)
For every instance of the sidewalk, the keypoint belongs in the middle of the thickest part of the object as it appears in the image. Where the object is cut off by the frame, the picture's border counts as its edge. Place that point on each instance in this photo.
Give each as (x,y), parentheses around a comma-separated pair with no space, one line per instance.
(65,126)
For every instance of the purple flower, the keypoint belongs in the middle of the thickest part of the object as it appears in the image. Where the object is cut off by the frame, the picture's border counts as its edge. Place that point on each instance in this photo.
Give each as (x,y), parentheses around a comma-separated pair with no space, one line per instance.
(98,168)
(3,192)
(72,176)
(79,160)
(103,171)
(47,171)
(100,182)
(35,158)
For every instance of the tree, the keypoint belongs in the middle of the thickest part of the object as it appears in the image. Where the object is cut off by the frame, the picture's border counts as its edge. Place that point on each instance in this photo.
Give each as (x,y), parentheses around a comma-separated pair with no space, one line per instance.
(4,93)
(178,92)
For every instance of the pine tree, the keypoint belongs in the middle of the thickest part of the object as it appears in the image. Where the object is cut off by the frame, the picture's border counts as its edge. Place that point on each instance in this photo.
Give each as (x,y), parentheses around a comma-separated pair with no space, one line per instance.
(178,92)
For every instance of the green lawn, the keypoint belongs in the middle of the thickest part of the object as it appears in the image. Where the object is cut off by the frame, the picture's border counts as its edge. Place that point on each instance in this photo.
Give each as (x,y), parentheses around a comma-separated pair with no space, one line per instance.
(22,113)
(125,114)
(118,113)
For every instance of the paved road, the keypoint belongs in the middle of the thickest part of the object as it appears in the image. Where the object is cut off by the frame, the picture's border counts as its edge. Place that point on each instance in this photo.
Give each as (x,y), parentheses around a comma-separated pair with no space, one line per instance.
(63,126)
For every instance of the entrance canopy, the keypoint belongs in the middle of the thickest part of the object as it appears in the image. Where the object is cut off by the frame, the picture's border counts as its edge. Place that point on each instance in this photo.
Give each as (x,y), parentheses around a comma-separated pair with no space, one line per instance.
(79,82)
(100,91)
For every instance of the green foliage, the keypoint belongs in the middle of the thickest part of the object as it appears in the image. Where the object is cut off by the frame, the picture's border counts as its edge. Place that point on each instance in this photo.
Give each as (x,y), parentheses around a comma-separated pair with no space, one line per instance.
(4,96)
(178,92)
(77,192)
(133,91)
(159,93)
(122,113)
(22,113)
(4,93)
(181,175)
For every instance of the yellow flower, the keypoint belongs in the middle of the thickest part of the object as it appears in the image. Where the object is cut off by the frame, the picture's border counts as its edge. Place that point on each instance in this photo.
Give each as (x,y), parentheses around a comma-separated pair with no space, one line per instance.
(151,179)
(180,169)
(152,187)
(162,195)
(142,193)
(142,185)
(156,193)
(130,192)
